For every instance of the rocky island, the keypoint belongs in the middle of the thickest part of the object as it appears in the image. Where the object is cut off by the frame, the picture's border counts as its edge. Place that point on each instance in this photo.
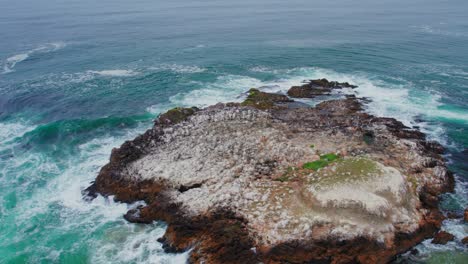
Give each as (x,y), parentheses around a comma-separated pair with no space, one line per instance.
(271,180)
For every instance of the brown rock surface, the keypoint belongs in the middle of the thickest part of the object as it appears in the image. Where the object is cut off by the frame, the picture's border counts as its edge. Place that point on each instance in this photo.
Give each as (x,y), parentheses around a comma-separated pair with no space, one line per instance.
(442,238)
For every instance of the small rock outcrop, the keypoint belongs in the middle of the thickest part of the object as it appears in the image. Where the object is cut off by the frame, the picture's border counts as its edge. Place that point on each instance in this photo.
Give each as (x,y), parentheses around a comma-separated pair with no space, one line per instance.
(316,88)
(465,241)
(175,115)
(465,215)
(259,181)
(442,238)
(264,101)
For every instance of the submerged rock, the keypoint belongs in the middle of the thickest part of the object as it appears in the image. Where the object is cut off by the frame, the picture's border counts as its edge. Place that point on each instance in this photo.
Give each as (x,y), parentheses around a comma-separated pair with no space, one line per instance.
(260,182)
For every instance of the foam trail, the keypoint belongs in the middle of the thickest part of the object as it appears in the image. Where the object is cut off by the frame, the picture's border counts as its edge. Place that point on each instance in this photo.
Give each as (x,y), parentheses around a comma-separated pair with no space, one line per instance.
(115,73)
(10,63)
(178,68)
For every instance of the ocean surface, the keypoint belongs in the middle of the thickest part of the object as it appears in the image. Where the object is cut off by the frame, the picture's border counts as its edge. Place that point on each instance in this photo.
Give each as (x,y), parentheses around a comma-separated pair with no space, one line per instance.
(79,77)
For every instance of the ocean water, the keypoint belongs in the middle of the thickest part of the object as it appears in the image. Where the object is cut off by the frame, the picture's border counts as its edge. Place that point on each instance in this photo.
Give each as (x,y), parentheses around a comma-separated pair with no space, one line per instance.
(79,77)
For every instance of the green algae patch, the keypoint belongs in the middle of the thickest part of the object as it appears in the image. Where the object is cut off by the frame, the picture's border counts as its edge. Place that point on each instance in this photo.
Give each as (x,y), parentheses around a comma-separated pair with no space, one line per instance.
(324,161)
(315,165)
(349,170)
(329,157)
(264,101)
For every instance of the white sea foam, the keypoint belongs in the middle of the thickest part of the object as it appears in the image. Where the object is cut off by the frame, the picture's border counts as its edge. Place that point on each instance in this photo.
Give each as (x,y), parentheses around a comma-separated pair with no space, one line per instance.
(72,78)
(226,89)
(115,73)
(262,69)
(121,241)
(10,63)
(81,77)
(178,68)
(9,131)
(159,108)
(135,244)
(65,189)
(455,227)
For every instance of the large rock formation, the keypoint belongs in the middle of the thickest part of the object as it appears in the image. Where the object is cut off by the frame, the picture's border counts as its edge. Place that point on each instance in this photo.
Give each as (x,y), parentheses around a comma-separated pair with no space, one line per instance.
(265,181)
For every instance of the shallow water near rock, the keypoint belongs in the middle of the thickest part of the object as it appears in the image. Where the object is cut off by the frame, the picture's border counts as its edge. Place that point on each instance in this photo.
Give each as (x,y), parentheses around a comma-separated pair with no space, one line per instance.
(79,78)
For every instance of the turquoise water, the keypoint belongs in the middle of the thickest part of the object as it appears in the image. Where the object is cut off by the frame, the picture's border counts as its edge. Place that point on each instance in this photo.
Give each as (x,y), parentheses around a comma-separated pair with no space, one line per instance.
(78,78)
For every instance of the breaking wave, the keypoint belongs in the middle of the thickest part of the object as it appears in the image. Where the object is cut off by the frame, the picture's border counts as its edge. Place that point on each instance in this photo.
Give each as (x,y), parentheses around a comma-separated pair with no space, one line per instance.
(51,199)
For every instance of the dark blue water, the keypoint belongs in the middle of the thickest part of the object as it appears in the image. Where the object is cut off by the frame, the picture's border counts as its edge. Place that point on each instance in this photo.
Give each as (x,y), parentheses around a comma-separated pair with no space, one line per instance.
(77,78)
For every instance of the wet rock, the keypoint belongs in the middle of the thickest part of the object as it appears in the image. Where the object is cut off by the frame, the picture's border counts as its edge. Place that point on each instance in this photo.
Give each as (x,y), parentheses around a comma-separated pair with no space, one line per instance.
(316,88)
(434,147)
(442,238)
(465,241)
(137,216)
(453,215)
(465,215)
(429,199)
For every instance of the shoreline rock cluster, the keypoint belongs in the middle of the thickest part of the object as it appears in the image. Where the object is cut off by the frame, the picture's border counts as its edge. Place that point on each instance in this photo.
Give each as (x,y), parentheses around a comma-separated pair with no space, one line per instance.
(268,180)
(314,88)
